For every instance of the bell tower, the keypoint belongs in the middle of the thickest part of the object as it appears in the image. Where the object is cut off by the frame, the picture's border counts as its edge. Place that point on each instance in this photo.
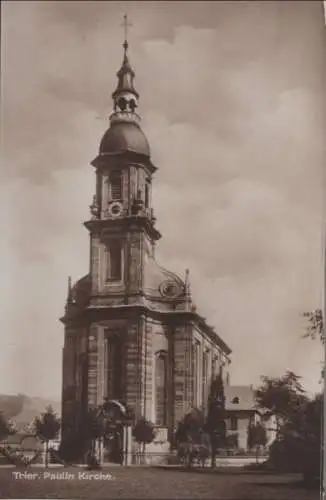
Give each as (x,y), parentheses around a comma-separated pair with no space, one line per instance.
(122,226)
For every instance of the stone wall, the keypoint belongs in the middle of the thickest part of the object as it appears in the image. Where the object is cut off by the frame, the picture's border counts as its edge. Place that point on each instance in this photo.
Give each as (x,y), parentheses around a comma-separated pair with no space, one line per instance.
(215,361)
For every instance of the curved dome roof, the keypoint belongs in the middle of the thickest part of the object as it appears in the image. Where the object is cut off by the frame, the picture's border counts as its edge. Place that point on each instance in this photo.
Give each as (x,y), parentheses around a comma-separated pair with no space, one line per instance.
(124,136)
(81,290)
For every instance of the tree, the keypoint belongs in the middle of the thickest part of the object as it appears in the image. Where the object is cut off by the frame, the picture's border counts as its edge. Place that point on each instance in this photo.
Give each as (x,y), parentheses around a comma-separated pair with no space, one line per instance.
(315,327)
(94,425)
(189,435)
(299,447)
(47,427)
(215,422)
(257,437)
(281,396)
(144,433)
(299,424)
(6,427)
(94,428)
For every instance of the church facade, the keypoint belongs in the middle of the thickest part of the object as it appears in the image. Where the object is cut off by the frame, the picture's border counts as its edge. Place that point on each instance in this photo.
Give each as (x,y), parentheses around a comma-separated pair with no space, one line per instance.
(131,330)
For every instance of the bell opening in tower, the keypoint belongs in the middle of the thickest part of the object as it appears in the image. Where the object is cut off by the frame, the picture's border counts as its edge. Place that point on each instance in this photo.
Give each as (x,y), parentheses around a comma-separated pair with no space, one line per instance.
(115,183)
(114,260)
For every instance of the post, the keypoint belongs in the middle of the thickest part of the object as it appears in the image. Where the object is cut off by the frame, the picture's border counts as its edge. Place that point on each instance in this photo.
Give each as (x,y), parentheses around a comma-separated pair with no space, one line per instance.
(101,451)
(127,458)
(44,454)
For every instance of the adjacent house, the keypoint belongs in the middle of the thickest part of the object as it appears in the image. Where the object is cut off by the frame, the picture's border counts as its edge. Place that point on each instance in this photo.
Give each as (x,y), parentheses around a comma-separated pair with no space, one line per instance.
(241,409)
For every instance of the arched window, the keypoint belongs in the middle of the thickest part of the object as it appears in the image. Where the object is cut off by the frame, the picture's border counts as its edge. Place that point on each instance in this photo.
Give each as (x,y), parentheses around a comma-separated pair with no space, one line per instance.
(161,387)
(113,365)
(213,369)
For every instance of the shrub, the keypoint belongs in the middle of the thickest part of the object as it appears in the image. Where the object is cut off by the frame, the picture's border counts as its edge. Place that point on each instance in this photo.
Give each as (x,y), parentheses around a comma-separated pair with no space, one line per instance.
(144,431)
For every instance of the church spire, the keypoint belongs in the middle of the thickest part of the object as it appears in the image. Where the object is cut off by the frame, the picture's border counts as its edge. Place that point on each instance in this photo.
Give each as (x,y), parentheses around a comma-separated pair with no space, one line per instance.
(125,45)
(125,97)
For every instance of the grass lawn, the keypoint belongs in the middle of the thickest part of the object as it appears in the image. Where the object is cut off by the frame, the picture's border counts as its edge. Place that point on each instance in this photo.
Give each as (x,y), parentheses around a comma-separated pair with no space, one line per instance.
(152,483)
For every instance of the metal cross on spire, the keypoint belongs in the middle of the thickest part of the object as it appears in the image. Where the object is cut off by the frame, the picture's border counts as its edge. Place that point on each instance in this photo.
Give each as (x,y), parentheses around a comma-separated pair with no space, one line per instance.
(126,25)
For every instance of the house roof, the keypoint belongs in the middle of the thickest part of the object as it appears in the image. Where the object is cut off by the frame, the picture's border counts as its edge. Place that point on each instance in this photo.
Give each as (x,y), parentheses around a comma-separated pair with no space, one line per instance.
(239,397)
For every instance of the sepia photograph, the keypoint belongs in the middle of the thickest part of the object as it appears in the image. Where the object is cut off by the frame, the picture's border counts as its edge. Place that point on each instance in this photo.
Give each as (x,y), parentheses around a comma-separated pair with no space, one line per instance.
(162,249)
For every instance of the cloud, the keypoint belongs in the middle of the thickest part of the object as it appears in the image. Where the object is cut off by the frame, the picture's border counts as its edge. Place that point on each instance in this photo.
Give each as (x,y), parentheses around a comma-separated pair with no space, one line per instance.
(230,99)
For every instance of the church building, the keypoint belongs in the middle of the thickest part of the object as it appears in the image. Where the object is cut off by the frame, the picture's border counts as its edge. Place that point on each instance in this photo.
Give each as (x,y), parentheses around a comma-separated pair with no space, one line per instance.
(131,330)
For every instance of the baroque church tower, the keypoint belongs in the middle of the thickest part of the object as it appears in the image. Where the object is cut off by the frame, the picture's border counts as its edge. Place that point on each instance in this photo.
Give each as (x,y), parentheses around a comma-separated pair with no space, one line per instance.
(132,332)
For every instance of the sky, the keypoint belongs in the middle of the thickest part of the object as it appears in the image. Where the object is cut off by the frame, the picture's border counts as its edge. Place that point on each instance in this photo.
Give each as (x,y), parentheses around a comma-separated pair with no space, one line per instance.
(231,98)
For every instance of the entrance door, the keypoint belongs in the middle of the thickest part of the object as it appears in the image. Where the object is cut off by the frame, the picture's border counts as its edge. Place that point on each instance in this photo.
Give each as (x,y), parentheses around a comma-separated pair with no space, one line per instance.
(113,446)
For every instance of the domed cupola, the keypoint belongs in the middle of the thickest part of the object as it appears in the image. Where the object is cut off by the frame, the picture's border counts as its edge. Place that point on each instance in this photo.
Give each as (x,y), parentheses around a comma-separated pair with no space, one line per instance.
(124,134)
(122,137)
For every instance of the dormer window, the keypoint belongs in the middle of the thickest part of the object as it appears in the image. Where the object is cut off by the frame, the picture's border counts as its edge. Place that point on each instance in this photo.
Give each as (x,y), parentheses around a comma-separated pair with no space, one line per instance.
(235,400)
(115,181)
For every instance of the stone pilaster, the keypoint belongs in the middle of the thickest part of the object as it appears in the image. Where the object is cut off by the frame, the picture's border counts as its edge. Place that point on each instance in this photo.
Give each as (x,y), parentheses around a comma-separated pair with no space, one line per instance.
(100,366)
(189,371)
(95,262)
(133,368)
(68,358)
(134,266)
(93,356)
(170,380)
(193,374)
(147,371)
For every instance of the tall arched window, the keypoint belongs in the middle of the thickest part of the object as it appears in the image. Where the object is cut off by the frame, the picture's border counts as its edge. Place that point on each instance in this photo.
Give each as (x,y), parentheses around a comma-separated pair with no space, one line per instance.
(113,365)
(161,387)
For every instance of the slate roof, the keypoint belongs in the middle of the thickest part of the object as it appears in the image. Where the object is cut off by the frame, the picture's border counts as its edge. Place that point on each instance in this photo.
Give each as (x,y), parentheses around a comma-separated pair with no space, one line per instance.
(245,395)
